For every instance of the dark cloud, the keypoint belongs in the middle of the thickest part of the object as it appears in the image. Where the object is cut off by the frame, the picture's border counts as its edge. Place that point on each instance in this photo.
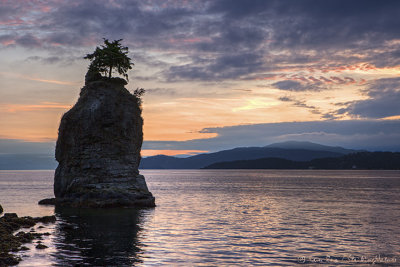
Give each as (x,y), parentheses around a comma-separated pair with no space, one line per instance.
(151,61)
(80,21)
(313,23)
(289,85)
(28,40)
(224,67)
(383,101)
(242,24)
(7,39)
(336,24)
(386,58)
(357,134)
(223,39)
(300,103)
(232,37)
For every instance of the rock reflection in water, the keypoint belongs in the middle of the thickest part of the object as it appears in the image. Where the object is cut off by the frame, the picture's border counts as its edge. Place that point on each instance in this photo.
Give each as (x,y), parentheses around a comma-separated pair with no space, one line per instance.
(97,237)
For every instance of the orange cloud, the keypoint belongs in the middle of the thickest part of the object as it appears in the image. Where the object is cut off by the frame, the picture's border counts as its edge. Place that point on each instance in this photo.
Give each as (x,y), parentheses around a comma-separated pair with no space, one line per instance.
(325,80)
(313,79)
(7,42)
(349,80)
(317,67)
(51,81)
(153,152)
(298,78)
(321,79)
(12,108)
(270,77)
(337,79)
(29,78)
(362,81)
(12,22)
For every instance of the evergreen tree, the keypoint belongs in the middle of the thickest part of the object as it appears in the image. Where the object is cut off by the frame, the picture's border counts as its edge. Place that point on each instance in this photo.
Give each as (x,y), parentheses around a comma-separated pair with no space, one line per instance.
(111,56)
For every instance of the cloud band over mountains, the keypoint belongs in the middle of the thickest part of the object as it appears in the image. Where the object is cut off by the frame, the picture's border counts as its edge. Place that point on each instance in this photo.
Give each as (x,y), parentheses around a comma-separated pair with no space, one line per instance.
(356,134)
(380,135)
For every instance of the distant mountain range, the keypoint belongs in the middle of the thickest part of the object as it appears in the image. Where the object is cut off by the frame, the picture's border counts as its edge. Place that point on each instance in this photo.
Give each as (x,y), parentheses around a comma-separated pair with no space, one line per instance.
(294,151)
(359,160)
(286,155)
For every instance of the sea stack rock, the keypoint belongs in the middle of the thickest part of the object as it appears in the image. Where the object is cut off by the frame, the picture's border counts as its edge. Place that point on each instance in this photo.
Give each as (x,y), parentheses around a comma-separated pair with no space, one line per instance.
(98,148)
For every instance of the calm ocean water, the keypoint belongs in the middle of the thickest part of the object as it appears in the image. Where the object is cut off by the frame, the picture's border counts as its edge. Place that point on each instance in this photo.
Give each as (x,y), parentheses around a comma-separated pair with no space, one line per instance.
(222,218)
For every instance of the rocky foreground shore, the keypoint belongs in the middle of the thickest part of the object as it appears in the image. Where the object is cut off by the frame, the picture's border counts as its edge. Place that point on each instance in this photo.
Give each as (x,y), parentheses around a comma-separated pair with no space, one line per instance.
(12,240)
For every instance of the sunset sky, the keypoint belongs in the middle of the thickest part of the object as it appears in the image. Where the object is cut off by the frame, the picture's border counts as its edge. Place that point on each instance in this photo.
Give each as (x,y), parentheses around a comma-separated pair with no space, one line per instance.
(218,74)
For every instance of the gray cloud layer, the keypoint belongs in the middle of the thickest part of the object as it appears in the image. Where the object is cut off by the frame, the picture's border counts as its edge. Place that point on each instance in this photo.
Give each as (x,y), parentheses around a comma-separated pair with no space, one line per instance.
(289,85)
(359,134)
(384,100)
(14,146)
(224,39)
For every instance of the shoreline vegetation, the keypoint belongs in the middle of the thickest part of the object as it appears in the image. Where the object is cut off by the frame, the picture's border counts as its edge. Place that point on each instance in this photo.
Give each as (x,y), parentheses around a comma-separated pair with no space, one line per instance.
(285,155)
(12,239)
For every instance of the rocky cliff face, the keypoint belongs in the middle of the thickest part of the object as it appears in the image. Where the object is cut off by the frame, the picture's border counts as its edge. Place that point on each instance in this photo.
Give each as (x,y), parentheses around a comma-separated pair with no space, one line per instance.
(98,149)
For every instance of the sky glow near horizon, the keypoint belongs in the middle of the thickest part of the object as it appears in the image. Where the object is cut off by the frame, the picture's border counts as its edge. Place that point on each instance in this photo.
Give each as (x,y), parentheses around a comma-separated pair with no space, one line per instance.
(213,70)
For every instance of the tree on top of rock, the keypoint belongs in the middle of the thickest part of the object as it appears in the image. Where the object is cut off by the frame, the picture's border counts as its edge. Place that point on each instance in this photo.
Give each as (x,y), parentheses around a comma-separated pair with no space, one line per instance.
(111,56)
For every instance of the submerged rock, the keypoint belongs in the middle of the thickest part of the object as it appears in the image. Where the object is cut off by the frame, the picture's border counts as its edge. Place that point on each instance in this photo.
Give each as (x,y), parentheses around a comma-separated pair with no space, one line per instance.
(41,246)
(98,149)
(47,201)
